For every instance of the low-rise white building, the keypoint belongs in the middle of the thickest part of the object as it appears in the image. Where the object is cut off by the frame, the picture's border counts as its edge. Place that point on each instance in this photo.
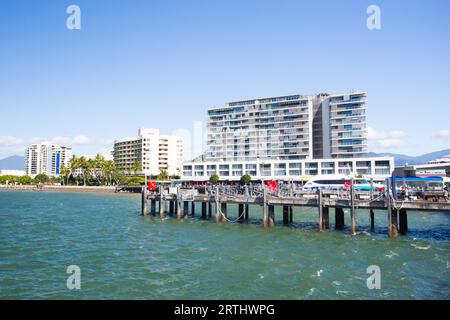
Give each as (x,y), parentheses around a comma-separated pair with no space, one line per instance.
(154,152)
(296,170)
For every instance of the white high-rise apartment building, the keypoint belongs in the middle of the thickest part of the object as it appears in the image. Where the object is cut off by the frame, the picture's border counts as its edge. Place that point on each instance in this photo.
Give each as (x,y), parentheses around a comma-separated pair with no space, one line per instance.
(46,158)
(292,127)
(154,152)
(266,129)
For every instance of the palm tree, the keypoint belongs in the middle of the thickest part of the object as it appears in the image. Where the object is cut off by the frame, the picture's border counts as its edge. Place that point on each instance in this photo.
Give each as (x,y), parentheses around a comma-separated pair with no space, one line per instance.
(74,166)
(65,172)
(163,175)
(137,167)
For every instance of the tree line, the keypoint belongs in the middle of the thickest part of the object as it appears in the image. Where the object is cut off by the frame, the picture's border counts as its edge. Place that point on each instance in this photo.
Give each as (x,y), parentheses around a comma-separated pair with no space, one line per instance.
(95,171)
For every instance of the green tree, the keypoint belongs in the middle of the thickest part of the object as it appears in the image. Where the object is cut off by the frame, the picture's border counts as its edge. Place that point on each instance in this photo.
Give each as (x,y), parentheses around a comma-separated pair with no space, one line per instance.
(65,172)
(25,180)
(163,175)
(137,167)
(42,178)
(246,179)
(214,179)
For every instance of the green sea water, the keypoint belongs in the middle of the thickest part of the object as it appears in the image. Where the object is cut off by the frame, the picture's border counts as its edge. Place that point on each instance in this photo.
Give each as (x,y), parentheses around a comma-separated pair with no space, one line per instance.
(122,255)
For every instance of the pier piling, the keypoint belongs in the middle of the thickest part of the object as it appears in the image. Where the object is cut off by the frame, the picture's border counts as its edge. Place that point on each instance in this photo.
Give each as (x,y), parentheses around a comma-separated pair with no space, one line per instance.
(319,206)
(339,219)
(264,205)
(153,207)
(241,212)
(291,214)
(209,209)
(203,210)
(161,202)
(193,209)
(352,203)
(178,208)
(246,212)
(372,220)
(286,215)
(185,209)
(325,218)
(403,217)
(171,208)
(144,202)
(223,208)
(271,215)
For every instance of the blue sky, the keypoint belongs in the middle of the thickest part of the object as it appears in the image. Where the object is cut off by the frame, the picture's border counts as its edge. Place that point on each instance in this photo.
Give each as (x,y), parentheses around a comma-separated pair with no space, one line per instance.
(163,63)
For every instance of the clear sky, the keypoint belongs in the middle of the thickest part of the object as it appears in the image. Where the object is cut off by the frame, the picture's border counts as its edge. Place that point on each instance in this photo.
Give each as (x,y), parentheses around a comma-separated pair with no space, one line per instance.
(163,63)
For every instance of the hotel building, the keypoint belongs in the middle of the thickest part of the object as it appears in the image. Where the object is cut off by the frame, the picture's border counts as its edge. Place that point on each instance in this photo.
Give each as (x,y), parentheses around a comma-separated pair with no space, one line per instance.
(154,152)
(288,137)
(46,158)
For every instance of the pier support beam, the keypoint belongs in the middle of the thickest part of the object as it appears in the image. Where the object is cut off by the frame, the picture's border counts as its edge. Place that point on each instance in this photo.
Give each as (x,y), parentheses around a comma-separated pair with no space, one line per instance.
(185,209)
(223,208)
(246,212)
(286,210)
(209,209)
(339,219)
(241,212)
(403,222)
(193,209)
(203,210)
(144,202)
(372,220)
(271,215)
(153,207)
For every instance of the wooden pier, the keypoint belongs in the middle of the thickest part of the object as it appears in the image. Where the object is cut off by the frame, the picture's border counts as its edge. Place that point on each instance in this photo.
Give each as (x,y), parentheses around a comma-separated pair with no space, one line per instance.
(286,196)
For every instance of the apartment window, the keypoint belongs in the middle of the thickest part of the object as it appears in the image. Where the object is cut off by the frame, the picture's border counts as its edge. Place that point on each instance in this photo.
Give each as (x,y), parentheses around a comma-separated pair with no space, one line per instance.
(265,170)
(187,171)
(295,169)
(250,169)
(199,171)
(280,169)
(224,170)
(237,170)
(210,170)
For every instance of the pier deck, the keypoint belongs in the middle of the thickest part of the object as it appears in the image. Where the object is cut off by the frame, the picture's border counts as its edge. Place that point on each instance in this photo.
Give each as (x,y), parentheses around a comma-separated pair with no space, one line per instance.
(180,200)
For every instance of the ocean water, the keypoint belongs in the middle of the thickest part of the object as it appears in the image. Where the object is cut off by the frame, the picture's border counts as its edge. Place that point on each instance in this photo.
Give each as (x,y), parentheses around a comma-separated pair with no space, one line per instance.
(122,255)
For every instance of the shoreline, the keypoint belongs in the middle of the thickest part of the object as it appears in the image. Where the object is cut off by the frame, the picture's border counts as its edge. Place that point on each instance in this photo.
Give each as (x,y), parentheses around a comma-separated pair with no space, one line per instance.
(49,188)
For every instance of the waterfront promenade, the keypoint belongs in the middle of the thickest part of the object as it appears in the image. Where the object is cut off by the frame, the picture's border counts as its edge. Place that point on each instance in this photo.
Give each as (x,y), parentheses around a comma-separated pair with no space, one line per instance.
(53,188)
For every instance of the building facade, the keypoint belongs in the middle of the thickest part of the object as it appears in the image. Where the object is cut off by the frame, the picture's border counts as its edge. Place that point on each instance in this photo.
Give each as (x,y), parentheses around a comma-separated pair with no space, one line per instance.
(289,137)
(46,158)
(292,127)
(266,129)
(152,151)
(376,168)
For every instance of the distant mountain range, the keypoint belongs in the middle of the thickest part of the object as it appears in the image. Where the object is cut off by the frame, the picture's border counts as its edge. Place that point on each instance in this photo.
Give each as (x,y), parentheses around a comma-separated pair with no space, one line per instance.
(13,163)
(401,159)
